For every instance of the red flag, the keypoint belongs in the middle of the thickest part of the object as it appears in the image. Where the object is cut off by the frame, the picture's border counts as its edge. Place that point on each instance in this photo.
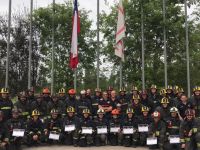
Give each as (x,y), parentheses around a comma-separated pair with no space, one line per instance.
(74,43)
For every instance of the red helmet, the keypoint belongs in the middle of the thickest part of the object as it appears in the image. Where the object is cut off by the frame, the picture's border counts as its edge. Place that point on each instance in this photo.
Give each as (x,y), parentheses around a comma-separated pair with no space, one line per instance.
(189,112)
(72,92)
(156,114)
(115,112)
(46,91)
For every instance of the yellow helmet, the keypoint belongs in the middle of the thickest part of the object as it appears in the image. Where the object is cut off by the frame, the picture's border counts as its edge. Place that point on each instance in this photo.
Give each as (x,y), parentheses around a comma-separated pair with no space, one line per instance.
(97,90)
(70,109)
(35,112)
(4,91)
(62,91)
(136,97)
(164,100)
(145,109)
(169,87)
(180,90)
(122,90)
(163,92)
(86,111)
(130,111)
(153,86)
(134,88)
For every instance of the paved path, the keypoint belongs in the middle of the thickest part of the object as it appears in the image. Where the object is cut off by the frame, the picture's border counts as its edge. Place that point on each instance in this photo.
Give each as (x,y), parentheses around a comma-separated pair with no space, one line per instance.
(84,148)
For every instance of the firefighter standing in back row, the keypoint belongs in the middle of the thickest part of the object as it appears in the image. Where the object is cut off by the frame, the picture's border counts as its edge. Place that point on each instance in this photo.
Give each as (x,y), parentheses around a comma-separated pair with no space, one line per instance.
(195,100)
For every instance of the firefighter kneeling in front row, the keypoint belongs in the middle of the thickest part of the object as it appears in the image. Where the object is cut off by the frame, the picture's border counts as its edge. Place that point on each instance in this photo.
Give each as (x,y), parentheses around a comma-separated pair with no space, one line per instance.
(86,132)
(4,134)
(71,127)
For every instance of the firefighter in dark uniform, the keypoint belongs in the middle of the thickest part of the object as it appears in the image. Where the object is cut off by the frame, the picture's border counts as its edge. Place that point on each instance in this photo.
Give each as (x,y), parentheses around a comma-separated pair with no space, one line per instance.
(85,122)
(71,136)
(6,104)
(113,99)
(172,128)
(144,119)
(136,105)
(177,99)
(130,120)
(23,106)
(190,131)
(134,92)
(46,95)
(100,122)
(105,104)
(109,90)
(53,125)
(30,95)
(40,105)
(71,99)
(55,103)
(164,109)
(184,105)
(145,101)
(4,133)
(123,99)
(95,102)
(115,138)
(15,123)
(35,128)
(89,94)
(157,129)
(82,104)
(62,95)
(154,96)
(195,100)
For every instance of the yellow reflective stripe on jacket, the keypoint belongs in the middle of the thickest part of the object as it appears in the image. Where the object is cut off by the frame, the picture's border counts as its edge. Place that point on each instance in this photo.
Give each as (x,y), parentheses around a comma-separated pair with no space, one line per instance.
(182,140)
(5,108)
(25,113)
(187,139)
(194,130)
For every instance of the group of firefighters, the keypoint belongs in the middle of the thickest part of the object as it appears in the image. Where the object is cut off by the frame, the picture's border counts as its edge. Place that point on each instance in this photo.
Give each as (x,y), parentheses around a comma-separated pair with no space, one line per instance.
(166,120)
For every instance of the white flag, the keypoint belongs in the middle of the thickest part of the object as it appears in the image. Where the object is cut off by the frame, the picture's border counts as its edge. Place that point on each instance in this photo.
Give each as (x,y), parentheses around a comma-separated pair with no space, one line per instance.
(120,34)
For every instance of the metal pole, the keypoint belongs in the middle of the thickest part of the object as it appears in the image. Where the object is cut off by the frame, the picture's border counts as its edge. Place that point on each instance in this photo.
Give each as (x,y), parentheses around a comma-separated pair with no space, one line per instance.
(53,46)
(75,79)
(97,43)
(187,49)
(120,74)
(164,38)
(30,46)
(142,34)
(8,44)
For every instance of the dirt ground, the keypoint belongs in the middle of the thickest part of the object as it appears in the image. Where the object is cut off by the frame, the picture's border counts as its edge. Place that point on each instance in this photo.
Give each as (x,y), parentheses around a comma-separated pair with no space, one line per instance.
(85,148)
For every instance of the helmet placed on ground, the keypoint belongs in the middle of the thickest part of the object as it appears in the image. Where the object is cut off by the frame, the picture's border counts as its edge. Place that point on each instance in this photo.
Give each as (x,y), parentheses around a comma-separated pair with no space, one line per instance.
(83,92)
(189,112)
(136,97)
(54,111)
(35,112)
(72,92)
(46,91)
(145,109)
(86,111)
(130,111)
(70,109)
(163,92)
(173,109)
(115,112)
(156,114)
(153,86)
(122,90)
(134,88)
(100,111)
(4,91)
(61,91)
(164,100)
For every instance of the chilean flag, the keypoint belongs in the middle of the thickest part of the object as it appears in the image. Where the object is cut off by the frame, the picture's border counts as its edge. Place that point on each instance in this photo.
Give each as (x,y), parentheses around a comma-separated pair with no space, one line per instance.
(74,43)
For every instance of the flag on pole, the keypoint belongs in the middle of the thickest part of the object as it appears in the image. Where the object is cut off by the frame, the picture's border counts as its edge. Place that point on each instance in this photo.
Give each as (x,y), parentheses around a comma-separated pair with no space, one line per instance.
(120,34)
(74,42)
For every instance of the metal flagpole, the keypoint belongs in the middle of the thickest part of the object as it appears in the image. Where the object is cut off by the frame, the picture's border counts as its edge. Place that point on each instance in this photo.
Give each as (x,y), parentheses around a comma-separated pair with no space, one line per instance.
(75,79)
(97,43)
(120,74)
(30,46)
(8,44)
(142,34)
(53,46)
(187,49)
(164,38)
